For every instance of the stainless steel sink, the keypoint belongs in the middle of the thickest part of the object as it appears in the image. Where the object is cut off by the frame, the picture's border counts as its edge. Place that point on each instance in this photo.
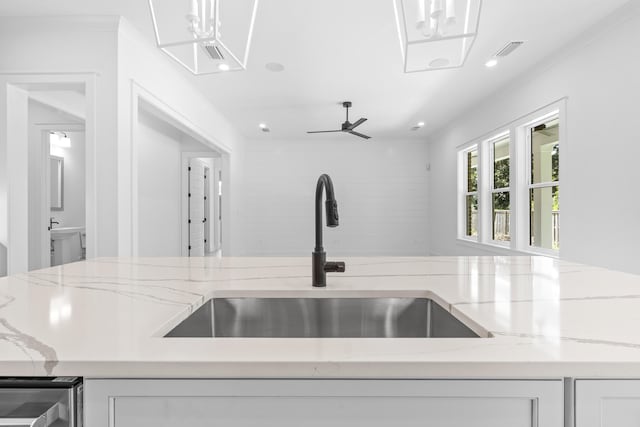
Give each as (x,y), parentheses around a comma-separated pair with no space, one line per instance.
(322,318)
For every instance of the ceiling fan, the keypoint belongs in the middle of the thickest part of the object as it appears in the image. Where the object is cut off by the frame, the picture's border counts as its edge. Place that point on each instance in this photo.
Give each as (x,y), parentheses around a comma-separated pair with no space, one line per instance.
(347,126)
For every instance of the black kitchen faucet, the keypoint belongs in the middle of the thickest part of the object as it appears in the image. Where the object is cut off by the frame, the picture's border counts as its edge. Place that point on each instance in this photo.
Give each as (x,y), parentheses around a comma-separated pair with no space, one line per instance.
(320,266)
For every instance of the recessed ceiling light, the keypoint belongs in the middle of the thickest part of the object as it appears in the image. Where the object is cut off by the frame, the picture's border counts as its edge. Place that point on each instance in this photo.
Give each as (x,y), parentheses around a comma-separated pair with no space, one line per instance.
(491,63)
(223,67)
(420,124)
(262,125)
(274,66)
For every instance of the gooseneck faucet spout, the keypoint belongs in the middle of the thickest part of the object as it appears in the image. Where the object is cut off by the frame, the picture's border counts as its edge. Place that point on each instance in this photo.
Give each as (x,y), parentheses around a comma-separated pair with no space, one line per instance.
(320,266)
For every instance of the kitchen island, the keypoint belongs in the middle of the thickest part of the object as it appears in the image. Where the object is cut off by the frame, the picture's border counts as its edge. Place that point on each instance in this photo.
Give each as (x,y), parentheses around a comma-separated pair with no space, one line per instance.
(552,328)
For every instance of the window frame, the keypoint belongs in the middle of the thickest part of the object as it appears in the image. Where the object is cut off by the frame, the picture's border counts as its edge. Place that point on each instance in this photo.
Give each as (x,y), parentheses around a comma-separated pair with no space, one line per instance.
(519,181)
(547,184)
(492,189)
(464,193)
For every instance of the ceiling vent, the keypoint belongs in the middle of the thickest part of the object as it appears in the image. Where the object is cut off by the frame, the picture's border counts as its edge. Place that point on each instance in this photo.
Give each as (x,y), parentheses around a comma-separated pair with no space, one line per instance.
(213,51)
(509,48)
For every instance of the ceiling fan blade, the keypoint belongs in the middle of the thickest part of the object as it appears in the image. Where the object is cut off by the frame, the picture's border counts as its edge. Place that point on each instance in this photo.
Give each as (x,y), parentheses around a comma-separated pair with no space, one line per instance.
(357,123)
(324,131)
(352,132)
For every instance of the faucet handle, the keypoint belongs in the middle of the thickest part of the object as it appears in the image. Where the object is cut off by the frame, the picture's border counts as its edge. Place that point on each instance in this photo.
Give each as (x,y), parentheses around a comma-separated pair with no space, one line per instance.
(334,267)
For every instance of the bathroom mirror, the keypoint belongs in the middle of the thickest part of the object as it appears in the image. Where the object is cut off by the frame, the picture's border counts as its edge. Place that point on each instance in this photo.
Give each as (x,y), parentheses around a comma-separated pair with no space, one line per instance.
(57,183)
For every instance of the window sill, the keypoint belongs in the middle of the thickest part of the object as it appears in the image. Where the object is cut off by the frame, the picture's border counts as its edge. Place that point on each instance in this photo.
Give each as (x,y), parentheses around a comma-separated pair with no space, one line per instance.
(505,250)
(542,252)
(499,249)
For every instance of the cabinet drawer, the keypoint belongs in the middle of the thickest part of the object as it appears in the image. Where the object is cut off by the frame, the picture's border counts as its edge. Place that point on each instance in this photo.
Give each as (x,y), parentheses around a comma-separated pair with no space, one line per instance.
(318,403)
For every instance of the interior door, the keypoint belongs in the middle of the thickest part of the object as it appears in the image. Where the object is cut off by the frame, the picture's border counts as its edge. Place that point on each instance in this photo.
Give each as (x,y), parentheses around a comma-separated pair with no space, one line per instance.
(196,207)
(207,210)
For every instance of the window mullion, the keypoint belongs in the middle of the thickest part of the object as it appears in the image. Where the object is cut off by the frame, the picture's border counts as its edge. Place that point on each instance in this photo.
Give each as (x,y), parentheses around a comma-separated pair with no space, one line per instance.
(519,175)
(484,199)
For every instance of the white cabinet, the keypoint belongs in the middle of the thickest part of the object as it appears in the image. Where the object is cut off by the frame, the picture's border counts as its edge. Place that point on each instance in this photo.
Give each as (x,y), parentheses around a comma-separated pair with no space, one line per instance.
(320,403)
(607,403)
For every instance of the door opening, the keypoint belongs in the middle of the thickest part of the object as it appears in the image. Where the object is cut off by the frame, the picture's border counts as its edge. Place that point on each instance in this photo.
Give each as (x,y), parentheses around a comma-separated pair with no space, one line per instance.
(57,175)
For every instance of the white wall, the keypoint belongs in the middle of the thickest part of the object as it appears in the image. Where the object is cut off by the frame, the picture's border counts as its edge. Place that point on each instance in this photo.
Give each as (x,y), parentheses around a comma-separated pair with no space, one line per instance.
(159,186)
(142,67)
(77,46)
(109,52)
(599,75)
(159,176)
(14,156)
(380,186)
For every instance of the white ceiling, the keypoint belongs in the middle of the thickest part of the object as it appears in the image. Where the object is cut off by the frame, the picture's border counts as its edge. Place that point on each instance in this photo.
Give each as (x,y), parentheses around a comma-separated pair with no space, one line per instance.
(336,50)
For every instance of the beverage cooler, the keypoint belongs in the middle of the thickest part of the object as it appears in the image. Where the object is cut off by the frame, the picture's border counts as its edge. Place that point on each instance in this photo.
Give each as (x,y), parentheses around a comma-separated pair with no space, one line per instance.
(41,402)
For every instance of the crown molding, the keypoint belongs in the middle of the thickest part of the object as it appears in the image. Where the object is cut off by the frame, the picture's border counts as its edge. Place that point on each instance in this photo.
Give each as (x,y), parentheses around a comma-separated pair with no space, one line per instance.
(30,24)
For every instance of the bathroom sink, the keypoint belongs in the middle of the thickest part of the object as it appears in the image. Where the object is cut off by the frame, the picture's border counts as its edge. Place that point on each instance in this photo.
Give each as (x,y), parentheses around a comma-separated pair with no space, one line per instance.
(323,318)
(65,232)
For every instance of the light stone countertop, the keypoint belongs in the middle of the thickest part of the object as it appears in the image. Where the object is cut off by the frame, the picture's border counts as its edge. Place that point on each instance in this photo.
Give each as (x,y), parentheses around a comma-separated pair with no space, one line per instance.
(105,319)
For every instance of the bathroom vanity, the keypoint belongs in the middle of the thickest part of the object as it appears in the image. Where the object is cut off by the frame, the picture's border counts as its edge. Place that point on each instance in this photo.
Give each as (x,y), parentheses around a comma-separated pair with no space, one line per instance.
(67,245)
(446,341)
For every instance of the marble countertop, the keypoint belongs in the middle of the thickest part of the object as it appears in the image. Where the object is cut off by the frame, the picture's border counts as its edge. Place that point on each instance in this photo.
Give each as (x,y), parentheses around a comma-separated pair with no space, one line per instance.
(105,318)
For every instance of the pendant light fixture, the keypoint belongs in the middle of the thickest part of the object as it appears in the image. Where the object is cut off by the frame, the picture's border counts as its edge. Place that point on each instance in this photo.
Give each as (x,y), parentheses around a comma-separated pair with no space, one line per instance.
(436,34)
(205,36)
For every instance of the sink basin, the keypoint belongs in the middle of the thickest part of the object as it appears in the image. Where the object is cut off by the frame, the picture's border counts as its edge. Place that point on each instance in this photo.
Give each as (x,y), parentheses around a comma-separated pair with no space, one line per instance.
(65,232)
(322,318)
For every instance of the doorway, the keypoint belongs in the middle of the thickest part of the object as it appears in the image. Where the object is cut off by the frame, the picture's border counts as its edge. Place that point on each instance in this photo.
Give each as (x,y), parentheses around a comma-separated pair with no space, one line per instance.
(57,175)
(17,88)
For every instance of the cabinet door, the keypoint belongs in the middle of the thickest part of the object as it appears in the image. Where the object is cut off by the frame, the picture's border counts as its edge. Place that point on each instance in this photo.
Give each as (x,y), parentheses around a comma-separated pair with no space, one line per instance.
(607,403)
(364,403)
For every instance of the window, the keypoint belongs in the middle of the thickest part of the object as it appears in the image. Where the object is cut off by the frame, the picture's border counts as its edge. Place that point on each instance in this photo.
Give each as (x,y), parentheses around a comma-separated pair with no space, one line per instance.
(544,184)
(510,185)
(500,195)
(471,192)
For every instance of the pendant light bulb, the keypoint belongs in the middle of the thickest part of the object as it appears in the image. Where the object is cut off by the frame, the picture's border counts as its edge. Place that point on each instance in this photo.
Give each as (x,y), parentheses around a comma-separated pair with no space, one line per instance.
(193,13)
(437,8)
(422,14)
(203,16)
(450,12)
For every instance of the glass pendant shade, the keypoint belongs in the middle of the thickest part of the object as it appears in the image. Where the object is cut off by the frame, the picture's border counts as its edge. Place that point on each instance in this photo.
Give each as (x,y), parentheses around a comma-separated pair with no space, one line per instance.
(436,34)
(205,36)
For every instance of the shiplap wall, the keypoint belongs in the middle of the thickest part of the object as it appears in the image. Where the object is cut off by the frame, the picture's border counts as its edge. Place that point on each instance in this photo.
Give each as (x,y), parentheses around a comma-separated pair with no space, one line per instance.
(380,186)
